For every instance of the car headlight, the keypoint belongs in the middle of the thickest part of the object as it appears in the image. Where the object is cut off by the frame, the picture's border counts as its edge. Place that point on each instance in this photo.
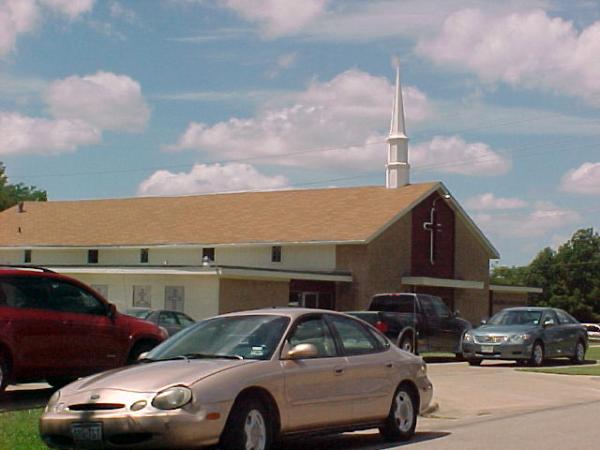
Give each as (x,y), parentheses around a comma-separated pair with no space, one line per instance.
(53,405)
(172,398)
(468,337)
(519,338)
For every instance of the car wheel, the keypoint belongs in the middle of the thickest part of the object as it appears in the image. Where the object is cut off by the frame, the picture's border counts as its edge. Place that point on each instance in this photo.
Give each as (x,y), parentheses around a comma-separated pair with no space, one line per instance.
(579,355)
(138,349)
(406,343)
(4,373)
(58,382)
(474,361)
(402,420)
(537,354)
(248,427)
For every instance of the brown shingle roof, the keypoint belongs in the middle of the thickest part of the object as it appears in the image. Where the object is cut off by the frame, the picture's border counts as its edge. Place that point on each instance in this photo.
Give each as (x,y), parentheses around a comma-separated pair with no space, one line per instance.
(338,214)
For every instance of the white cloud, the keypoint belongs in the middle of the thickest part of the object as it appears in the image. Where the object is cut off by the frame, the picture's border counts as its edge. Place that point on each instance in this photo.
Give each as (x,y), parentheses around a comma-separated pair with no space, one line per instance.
(16,17)
(277,17)
(542,219)
(583,180)
(284,62)
(71,8)
(22,16)
(205,178)
(337,114)
(105,100)
(117,10)
(454,155)
(528,49)
(489,201)
(25,135)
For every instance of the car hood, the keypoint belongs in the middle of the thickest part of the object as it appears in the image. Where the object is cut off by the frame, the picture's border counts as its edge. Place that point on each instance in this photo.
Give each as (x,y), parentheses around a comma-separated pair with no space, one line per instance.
(504,329)
(155,376)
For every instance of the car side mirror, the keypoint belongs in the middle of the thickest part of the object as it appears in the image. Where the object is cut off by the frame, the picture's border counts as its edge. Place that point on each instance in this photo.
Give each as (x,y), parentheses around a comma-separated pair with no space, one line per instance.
(456,313)
(548,323)
(302,351)
(142,356)
(112,311)
(483,322)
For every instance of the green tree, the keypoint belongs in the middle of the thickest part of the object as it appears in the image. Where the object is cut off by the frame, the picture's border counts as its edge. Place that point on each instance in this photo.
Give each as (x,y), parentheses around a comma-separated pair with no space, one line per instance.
(11,194)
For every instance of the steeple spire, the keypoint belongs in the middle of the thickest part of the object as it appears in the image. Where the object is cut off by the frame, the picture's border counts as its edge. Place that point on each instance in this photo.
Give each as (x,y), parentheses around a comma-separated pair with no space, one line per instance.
(397,167)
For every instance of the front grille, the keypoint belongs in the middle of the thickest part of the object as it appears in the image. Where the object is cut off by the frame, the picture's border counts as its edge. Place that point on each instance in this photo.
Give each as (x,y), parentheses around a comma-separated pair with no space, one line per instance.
(96,406)
(490,339)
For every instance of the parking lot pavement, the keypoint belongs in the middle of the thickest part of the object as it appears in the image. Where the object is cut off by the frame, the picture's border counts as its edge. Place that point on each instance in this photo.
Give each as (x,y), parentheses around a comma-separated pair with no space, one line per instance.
(466,393)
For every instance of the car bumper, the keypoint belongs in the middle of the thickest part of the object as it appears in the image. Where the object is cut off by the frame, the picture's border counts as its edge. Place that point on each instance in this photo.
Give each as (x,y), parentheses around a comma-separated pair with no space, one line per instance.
(497,351)
(160,429)
(425,393)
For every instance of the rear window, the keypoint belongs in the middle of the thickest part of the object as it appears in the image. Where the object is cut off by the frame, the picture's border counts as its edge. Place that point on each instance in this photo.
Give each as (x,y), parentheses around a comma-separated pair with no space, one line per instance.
(393,303)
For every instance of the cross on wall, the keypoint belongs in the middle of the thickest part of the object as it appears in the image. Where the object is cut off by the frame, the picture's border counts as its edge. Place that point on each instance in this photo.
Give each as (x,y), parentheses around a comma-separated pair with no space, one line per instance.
(433,227)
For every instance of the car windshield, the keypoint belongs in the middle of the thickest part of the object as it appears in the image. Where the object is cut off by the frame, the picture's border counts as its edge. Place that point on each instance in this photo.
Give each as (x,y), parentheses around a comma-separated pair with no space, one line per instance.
(516,317)
(139,313)
(247,337)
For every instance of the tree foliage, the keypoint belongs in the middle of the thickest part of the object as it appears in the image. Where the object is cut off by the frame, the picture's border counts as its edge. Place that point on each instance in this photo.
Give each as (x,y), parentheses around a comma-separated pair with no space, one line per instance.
(11,194)
(569,276)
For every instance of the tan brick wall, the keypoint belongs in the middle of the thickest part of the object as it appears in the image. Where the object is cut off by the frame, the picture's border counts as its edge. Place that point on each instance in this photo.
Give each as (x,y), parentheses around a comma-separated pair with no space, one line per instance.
(239,295)
(471,263)
(508,300)
(376,267)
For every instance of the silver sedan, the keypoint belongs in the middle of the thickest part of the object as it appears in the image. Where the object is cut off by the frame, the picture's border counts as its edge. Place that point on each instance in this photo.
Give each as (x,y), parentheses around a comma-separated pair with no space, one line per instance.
(527,334)
(244,380)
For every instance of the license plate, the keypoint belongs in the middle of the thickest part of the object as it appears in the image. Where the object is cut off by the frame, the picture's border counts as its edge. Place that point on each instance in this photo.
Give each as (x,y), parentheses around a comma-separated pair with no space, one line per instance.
(87,433)
(487,349)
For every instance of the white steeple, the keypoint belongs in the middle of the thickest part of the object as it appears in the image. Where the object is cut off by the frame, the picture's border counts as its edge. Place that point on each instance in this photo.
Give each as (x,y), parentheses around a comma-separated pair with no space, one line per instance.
(397,167)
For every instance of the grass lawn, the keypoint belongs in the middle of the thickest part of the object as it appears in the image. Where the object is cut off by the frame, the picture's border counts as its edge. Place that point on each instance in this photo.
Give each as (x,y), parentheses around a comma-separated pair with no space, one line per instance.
(19,430)
(593,354)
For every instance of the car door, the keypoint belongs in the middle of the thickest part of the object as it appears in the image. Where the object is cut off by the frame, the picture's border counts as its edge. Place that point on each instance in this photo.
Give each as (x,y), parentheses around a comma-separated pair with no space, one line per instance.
(168,320)
(312,386)
(368,382)
(92,339)
(570,332)
(551,334)
(32,329)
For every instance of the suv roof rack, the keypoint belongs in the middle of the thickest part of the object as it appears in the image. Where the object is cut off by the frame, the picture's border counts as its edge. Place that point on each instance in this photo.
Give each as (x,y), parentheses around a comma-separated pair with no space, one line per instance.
(25,266)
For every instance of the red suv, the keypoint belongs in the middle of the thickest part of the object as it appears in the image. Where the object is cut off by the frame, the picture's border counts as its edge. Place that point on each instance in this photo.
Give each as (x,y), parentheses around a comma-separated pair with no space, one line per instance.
(54,328)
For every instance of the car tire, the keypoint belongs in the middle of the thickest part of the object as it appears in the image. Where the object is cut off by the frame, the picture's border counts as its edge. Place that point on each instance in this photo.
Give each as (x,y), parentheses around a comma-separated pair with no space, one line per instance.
(474,361)
(406,343)
(537,354)
(579,355)
(138,349)
(248,426)
(4,372)
(402,419)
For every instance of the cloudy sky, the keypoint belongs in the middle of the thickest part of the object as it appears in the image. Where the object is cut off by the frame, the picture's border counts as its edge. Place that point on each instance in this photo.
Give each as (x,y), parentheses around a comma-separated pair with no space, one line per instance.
(160,97)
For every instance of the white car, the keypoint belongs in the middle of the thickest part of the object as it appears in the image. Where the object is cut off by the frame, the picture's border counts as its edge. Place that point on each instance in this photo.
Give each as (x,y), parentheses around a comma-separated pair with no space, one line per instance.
(593,330)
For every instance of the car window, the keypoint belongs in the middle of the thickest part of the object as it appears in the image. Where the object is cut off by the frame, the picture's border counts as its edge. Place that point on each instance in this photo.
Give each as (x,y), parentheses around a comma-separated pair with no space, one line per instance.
(67,297)
(516,317)
(393,303)
(564,318)
(184,320)
(434,306)
(314,331)
(356,339)
(24,292)
(167,318)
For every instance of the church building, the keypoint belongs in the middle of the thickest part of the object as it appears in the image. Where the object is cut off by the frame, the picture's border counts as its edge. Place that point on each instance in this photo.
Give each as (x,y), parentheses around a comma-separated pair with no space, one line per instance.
(328,248)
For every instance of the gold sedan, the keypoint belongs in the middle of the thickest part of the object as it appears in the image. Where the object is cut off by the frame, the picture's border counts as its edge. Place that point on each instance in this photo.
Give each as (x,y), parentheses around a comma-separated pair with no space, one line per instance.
(244,380)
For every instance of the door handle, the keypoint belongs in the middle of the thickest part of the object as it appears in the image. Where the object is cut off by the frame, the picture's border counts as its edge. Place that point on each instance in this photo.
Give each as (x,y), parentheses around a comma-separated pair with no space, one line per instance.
(339,370)
(389,365)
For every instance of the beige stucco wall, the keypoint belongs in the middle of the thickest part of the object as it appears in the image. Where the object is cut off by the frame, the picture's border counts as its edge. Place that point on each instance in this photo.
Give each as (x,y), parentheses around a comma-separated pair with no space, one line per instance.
(310,257)
(240,294)
(376,267)
(201,291)
(471,263)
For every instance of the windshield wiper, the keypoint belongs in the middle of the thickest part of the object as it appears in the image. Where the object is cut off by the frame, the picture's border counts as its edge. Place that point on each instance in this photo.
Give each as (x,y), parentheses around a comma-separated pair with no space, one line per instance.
(201,356)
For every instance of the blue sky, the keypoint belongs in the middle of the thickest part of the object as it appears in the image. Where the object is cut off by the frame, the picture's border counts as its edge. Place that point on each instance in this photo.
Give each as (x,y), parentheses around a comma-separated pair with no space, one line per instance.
(159,97)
